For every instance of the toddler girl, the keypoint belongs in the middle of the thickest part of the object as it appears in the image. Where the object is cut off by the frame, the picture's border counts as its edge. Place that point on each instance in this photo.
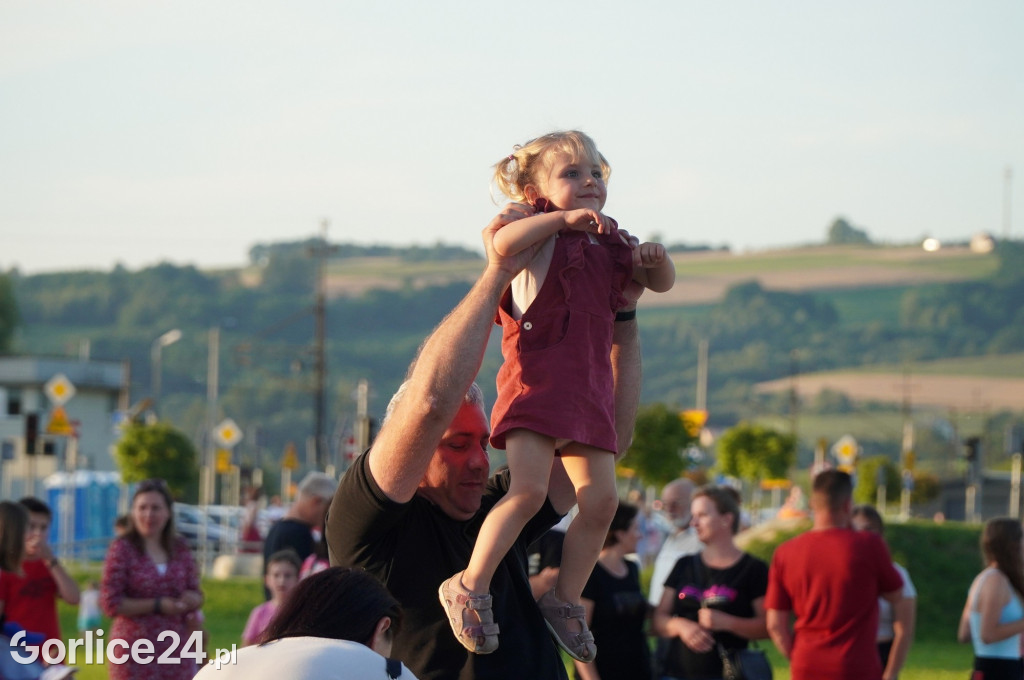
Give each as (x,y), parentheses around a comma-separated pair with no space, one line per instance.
(556,389)
(281,577)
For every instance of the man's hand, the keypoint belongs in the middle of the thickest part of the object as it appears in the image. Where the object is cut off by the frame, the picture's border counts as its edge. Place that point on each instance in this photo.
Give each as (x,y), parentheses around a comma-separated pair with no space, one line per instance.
(511,264)
(633,289)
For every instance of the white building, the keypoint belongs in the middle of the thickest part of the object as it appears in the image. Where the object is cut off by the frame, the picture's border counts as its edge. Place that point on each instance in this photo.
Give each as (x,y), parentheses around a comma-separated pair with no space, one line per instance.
(100,394)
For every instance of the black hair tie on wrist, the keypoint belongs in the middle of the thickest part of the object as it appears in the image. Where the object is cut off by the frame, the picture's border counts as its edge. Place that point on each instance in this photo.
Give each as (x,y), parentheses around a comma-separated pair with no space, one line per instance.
(625,316)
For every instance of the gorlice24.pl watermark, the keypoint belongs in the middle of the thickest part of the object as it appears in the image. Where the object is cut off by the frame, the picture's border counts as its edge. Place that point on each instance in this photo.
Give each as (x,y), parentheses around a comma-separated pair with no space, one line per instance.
(95,650)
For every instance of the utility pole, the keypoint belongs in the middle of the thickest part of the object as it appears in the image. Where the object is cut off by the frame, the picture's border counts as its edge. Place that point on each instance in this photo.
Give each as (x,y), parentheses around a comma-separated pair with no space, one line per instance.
(320,251)
(1007,196)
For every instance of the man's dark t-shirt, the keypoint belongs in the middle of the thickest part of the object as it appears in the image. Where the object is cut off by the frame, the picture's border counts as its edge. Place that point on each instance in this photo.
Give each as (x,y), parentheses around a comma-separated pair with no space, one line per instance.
(412,547)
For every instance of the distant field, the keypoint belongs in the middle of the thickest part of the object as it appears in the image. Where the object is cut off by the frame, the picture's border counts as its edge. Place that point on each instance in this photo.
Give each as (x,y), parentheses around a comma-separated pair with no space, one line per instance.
(969,384)
(705,277)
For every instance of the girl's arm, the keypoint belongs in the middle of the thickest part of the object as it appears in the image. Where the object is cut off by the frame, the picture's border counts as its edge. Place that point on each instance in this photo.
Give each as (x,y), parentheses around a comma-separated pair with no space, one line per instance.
(522,234)
(904,619)
(993,595)
(963,631)
(653,268)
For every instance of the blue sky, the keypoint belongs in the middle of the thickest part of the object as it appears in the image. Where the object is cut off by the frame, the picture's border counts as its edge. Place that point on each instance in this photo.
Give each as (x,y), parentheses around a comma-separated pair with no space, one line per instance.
(187,131)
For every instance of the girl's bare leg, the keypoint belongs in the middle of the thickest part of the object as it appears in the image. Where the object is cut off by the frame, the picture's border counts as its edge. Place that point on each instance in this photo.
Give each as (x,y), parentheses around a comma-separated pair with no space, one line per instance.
(592,472)
(529,459)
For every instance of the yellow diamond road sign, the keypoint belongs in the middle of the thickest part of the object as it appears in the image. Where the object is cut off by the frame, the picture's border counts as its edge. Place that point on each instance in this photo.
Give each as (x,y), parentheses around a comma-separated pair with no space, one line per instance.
(59,389)
(227,434)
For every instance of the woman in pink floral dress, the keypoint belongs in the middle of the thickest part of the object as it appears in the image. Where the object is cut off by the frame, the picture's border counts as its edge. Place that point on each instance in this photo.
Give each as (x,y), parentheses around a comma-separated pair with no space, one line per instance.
(150,590)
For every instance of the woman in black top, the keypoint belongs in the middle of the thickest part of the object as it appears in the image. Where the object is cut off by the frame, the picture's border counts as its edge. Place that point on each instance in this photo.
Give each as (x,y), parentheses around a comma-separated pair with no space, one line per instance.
(616,607)
(714,598)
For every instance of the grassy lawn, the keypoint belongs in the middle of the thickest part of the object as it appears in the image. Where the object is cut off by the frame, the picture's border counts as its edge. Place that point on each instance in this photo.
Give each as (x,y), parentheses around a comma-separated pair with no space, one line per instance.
(941,559)
(227,608)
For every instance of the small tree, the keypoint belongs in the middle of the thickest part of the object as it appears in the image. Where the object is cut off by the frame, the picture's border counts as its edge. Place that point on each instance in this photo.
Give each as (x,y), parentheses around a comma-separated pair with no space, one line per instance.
(658,439)
(869,472)
(158,450)
(754,452)
(8,313)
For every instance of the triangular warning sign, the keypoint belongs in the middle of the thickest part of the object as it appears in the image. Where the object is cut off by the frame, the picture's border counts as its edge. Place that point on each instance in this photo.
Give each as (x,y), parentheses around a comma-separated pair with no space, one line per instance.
(59,423)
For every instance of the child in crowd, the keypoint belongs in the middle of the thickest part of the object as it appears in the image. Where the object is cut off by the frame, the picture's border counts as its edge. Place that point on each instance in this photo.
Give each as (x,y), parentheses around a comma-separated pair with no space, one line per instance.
(281,577)
(556,388)
(30,598)
(89,607)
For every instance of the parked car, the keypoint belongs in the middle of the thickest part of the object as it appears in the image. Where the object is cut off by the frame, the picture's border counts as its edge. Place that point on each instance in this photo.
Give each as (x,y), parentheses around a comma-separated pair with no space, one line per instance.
(190,521)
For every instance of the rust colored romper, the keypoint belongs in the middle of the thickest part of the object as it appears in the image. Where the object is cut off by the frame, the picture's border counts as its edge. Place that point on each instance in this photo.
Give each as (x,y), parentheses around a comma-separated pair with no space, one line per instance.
(557,375)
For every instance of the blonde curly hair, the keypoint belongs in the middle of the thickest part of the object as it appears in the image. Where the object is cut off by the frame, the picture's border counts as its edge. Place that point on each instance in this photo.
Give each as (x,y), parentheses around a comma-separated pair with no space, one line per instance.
(525,165)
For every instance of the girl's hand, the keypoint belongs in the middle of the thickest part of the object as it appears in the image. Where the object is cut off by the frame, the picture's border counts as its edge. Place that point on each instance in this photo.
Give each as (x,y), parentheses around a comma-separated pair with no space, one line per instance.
(585,219)
(649,255)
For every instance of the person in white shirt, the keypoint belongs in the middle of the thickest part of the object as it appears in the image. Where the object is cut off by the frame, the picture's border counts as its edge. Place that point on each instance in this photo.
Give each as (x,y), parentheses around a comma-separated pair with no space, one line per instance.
(681,541)
(308,640)
(682,538)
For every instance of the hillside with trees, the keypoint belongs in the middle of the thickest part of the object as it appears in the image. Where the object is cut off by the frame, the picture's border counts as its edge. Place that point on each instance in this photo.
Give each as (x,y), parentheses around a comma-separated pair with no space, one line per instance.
(264,313)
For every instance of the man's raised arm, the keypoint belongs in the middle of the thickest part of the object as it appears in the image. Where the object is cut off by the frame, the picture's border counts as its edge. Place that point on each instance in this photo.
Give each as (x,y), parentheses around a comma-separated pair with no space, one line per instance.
(442,372)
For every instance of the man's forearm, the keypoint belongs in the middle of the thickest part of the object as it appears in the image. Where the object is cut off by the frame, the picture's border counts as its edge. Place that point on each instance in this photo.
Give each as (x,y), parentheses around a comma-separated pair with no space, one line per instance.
(627,373)
(439,378)
(778,630)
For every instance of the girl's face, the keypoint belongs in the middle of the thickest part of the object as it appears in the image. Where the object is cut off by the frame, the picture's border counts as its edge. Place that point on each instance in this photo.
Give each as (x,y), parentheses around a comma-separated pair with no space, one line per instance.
(571,185)
(150,513)
(707,520)
(280,579)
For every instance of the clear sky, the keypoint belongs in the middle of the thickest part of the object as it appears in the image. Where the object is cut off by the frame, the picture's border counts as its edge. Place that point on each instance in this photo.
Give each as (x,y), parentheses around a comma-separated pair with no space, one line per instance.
(188,130)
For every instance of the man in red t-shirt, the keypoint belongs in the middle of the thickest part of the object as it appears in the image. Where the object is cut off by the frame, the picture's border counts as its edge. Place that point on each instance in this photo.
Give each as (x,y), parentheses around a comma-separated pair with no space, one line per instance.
(30,599)
(831,578)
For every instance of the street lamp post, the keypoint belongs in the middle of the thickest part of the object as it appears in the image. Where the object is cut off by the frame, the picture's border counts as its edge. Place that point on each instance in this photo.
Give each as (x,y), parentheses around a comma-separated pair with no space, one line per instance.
(168,338)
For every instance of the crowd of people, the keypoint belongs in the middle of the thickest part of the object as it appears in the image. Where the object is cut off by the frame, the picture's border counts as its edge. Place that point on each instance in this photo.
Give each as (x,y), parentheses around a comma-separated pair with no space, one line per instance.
(431,552)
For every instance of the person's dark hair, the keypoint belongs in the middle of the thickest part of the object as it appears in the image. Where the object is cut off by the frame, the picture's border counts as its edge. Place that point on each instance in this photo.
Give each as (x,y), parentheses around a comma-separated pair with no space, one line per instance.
(13,523)
(339,603)
(726,500)
(872,515)
(286,556)
(624,516)
(835,487)
(36,506)
(168,534)
(1001,543)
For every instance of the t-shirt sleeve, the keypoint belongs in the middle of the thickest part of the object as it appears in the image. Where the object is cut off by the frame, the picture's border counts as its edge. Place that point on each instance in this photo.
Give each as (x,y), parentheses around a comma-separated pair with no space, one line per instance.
(678,574)
(361,518)
(776,596)
(888,578)
(908,586)
(758,579)
(250,634)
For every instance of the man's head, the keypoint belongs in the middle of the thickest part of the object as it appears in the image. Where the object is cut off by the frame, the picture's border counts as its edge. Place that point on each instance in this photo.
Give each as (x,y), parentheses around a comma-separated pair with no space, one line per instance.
(314,496)
(832,498)
(458,471)
(675,499)
(39,519)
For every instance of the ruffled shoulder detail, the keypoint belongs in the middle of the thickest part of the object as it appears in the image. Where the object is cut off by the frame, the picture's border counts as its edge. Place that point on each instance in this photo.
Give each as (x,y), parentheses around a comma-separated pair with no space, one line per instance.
(622,269)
